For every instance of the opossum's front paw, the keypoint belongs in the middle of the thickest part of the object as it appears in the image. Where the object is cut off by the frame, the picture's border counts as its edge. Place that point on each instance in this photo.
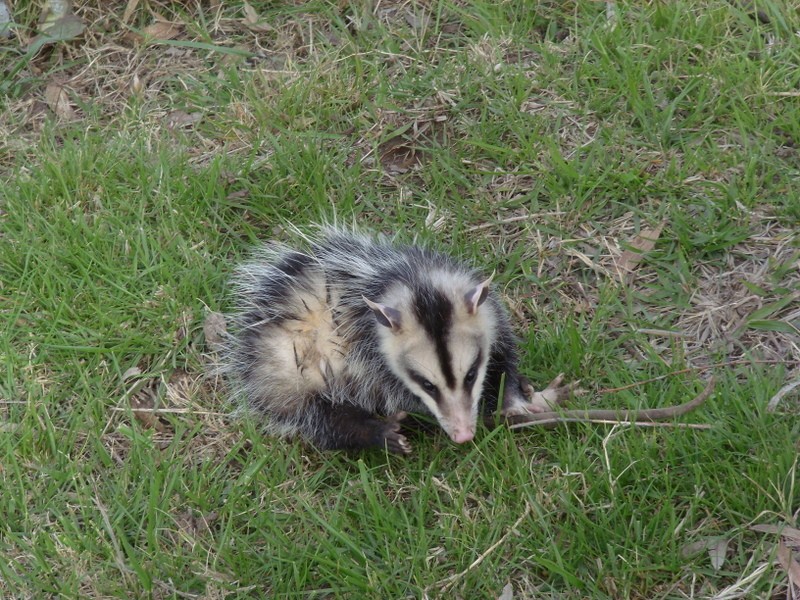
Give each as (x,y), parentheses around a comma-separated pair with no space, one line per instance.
(555,394)
(395,441)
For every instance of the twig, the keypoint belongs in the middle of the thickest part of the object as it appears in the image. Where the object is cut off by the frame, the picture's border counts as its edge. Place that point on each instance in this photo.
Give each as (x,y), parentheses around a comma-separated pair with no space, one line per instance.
(507,220)
(169,411)
(448,582)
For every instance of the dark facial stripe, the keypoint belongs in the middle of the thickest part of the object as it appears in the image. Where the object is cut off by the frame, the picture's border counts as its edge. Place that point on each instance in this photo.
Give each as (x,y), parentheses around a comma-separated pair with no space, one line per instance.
(474,368)
(435,313)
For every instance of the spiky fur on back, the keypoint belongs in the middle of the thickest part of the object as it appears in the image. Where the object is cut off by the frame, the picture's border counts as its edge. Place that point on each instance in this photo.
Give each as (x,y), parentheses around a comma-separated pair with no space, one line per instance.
(306,350)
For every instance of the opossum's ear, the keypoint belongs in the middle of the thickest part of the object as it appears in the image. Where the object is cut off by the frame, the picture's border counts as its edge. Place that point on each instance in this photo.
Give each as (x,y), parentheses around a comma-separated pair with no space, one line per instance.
(477,295)
(386,315)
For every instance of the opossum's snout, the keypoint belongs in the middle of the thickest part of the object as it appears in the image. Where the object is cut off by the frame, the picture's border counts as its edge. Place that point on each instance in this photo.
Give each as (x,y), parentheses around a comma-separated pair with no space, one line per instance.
(460,427)
(461,435)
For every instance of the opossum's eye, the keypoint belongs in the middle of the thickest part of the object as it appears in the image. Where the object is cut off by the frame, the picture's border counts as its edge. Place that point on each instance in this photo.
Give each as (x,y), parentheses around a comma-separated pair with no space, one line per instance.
(428,386)
(472,374)
(469,378)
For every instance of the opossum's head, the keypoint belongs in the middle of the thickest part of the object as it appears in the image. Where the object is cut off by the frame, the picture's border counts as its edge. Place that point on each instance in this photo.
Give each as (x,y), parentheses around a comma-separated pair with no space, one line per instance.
(436,339)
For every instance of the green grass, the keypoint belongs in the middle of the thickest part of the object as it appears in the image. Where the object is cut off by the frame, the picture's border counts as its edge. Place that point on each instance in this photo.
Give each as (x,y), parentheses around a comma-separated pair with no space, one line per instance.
(542,140)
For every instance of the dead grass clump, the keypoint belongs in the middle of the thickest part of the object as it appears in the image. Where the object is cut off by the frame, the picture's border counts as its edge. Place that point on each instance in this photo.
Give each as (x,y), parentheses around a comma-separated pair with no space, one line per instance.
(744,306)
(118,63)
(572,127)
(750,304)
(155,406)
(399,141)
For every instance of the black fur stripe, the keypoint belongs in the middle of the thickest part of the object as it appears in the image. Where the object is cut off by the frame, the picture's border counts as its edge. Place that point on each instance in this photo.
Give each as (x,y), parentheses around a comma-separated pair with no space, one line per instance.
(435,313)
(294,263)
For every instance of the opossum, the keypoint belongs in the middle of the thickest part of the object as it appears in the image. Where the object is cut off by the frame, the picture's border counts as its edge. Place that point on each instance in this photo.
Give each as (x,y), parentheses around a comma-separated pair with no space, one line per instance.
(336,341)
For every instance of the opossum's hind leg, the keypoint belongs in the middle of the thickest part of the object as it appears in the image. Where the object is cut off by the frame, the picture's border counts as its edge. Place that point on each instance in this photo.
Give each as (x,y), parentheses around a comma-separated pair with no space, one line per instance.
(555,394)
(519,396)
(335,426)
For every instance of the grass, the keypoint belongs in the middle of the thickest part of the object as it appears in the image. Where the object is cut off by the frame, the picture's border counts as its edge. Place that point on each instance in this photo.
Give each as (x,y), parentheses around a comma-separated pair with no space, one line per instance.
(534,139)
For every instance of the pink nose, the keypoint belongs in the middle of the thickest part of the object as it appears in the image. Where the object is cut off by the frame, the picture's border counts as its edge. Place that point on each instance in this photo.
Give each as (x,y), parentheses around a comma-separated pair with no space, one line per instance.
(459,436)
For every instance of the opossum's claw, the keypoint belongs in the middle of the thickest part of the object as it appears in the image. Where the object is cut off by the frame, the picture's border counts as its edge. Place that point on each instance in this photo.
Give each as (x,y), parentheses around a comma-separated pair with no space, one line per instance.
(395,441)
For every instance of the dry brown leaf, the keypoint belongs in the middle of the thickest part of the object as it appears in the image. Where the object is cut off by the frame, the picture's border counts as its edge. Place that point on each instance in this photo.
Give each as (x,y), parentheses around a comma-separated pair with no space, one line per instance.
(238,195)
(773,403)
(695,547)
(418,20)
(507,593)
(789,564)
(253,21)
(452,28)
(250,14)
(131,373)
(38,108)
(143,407)
(130,8)
(136,87)
(717,547)
(717,552)
(397,156)
(640,245)
(180,118)
(6,21)
(58,100)
(611,14)
(58,21)
(162,30)
(194,524)
(791,533)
